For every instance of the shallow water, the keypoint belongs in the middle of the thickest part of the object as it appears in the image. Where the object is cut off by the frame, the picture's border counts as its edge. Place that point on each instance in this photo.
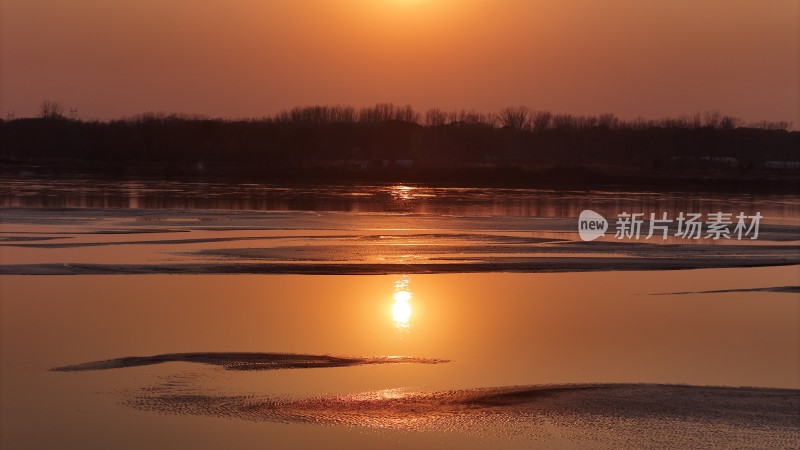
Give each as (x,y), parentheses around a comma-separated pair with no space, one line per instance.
(41,241)
(496,329)
(499,304)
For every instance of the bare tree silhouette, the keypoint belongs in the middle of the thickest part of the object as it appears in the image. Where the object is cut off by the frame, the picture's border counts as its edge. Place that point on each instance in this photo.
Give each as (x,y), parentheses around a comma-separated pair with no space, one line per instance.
(515,118)
(50,109)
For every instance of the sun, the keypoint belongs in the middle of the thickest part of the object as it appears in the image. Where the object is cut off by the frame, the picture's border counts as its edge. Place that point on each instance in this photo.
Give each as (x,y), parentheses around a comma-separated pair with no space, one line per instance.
(406,2)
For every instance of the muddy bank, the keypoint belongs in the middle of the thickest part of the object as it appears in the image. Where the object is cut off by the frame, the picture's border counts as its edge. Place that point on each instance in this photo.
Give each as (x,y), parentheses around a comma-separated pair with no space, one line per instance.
(247,361)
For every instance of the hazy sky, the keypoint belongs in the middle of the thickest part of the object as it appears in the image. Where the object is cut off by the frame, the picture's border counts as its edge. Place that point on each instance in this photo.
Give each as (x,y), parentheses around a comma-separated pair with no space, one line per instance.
(244,58)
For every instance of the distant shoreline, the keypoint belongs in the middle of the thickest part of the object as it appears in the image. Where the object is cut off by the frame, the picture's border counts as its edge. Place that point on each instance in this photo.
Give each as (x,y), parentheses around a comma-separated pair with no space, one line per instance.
(538,265)
(467,176)
(517,147)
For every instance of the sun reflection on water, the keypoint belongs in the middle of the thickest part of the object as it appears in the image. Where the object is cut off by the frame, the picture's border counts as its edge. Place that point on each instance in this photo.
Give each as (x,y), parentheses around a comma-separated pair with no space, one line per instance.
(402,193)
(401,308)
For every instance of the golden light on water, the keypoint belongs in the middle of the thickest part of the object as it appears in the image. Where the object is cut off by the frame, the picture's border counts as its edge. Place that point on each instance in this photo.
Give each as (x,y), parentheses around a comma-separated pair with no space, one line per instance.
(402,193)
(405,196)
(401,308)
(402,296)
(401,312)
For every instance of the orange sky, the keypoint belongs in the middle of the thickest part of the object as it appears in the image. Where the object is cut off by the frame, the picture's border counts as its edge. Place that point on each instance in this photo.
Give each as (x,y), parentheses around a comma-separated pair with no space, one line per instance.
(245,58)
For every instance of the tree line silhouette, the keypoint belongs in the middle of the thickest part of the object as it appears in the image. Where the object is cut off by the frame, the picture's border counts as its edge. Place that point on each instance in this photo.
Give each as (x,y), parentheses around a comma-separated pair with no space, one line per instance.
(345,141)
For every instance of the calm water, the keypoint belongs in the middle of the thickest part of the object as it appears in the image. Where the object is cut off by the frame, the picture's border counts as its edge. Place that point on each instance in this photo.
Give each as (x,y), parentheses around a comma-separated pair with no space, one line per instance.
(391,198)
(710,326)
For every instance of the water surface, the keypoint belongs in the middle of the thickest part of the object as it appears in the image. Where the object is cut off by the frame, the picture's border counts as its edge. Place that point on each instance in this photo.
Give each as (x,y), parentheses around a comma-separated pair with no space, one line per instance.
(538,338)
